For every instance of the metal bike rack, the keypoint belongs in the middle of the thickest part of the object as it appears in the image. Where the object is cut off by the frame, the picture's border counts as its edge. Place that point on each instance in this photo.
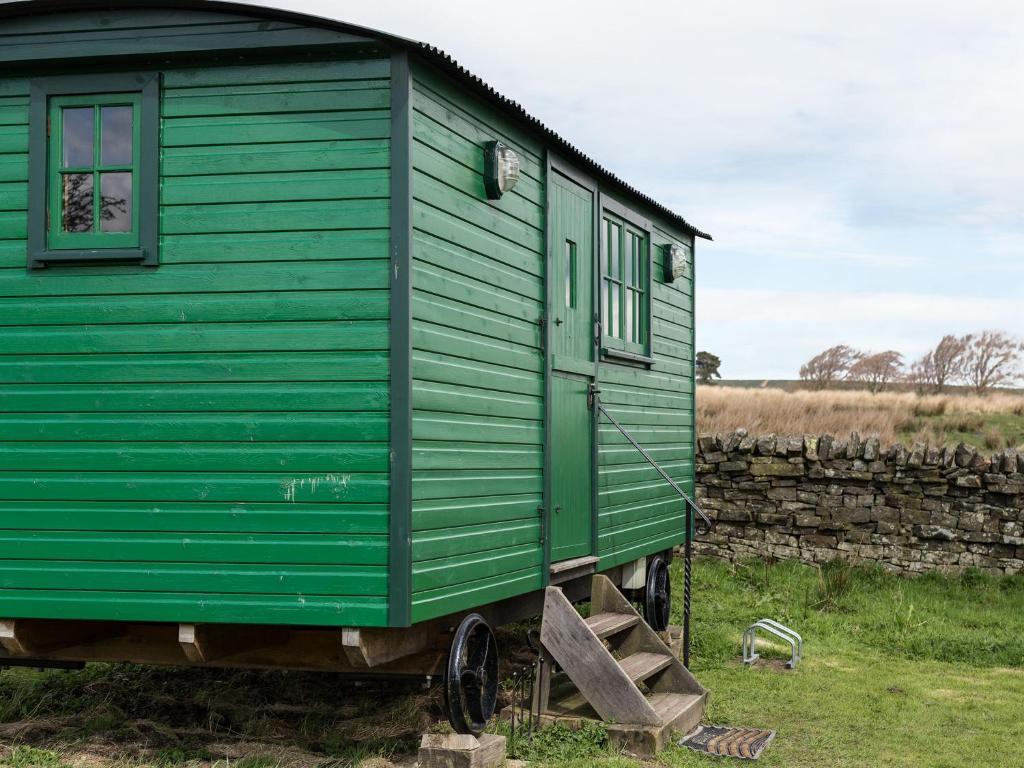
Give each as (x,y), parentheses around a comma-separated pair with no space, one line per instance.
(781,631)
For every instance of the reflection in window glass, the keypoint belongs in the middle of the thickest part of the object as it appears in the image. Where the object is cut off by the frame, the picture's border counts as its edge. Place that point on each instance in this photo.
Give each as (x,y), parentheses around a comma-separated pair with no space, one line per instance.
(77,137)
(570,274)
(614,328)
(115,202)
(77,192)
(629,315)
(614,234)
(116,135)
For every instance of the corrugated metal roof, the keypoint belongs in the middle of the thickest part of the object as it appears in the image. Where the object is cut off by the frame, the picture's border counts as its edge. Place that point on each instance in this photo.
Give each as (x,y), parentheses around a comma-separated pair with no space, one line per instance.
(429,52)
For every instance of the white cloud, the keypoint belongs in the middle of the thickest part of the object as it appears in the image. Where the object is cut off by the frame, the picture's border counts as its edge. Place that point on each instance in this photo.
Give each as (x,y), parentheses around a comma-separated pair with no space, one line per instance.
(846,154)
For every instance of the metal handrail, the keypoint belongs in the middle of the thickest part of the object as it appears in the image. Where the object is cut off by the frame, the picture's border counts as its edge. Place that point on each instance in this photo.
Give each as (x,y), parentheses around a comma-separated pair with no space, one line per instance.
(708,523)
(691,507)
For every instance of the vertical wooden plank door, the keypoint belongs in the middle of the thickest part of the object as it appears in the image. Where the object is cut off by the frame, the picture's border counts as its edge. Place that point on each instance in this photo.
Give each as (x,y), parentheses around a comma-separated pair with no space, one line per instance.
(571,265)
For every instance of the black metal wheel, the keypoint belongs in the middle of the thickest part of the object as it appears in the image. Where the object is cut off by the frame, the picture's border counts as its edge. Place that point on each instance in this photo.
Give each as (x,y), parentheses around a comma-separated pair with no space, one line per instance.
(658,594)
(471,677)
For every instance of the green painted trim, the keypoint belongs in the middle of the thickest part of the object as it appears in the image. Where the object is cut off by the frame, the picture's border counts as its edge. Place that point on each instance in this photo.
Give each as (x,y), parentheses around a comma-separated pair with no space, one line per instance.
(556,164)
(548,385)
(400,571)
(632,352)
(95,248)
(57,239)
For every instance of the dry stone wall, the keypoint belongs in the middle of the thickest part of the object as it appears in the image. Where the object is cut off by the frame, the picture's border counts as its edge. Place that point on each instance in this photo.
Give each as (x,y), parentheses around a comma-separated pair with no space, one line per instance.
(816,498)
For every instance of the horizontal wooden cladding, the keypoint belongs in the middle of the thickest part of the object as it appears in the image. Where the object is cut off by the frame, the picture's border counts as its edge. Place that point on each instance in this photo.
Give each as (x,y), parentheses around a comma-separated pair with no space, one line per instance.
(200,516)
(222,398)
(519,278)
(476,122)
(466,344)
(274,217)
(275,128)
(144,312)
(155,577)
(326,245)
(478,292)
(262,99)
(441,368)
(466,595)
(135,546)
(474,566)
(198,337)
(277,187)
(138,31)
(332,69)
(275,158)
(441,397)
(197,607)
(195,367)
(467,539)
(448,513)
(328,488)
(197,278)
(428,455)
(474,483)
(194,457)
(149,426)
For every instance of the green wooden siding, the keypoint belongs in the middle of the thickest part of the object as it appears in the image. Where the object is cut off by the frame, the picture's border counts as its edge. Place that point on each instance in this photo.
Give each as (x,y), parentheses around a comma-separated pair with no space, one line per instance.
(639,513)
(478,383)
(95,34)
(209,440)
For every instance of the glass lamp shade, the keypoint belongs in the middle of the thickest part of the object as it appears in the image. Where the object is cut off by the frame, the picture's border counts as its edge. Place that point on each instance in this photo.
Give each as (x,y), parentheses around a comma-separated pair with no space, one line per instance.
(501,169)
(676,258)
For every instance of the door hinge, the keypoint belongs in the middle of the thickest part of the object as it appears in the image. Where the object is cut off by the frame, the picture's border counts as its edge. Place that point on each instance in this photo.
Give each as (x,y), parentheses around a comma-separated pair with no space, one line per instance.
(540,321)
(592,392)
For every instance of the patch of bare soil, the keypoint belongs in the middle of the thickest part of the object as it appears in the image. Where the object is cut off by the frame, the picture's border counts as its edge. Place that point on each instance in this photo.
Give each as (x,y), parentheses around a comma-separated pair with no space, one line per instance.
(123,715)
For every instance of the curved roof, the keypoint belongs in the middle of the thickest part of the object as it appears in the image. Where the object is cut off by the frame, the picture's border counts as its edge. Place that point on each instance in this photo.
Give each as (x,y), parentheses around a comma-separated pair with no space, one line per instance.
(429,52)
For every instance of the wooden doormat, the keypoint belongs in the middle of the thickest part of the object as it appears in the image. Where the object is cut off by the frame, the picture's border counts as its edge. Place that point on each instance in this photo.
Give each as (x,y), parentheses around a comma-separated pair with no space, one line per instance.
(744,743)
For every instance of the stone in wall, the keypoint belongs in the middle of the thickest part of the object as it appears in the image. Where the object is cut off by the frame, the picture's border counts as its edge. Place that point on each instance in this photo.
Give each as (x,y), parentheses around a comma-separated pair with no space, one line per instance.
(820,497)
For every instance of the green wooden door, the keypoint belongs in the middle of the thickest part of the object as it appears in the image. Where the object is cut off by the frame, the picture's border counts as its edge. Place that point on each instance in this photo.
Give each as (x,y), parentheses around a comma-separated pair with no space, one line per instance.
(571,264)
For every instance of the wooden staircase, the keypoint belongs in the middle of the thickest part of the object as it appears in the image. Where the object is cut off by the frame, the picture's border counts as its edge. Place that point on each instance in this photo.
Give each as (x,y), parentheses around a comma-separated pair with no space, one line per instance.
(614,668)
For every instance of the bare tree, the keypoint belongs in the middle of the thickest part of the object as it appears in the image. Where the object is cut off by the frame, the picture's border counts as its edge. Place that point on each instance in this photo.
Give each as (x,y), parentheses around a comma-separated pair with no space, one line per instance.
(992,359)
(830,366)
(942,365)
(877,370)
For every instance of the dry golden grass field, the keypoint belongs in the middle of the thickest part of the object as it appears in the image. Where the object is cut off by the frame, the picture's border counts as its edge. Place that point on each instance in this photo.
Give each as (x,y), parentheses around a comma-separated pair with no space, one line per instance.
(993,421)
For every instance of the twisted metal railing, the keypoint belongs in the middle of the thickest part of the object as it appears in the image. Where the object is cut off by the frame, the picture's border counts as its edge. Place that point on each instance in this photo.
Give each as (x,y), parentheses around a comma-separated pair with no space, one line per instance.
(691,506)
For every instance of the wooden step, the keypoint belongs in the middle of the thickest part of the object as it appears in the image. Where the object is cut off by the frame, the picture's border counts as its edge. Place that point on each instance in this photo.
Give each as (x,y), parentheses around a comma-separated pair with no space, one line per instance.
(607,624)
(643,665)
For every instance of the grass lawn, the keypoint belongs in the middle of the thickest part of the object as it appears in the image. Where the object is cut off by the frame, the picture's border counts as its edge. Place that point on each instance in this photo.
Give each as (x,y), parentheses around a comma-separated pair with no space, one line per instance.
(924,672)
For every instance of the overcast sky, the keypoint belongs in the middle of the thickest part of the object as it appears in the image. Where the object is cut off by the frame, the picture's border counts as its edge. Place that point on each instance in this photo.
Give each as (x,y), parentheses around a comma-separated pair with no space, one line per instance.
(859,164)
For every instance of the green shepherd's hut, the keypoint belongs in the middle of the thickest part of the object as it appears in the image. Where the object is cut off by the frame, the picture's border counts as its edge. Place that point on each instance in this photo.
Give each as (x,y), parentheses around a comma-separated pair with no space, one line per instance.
(316,346)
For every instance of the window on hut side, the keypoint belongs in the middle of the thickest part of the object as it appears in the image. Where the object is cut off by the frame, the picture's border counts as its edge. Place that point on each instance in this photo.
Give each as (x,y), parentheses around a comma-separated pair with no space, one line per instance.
(94,169)
(93,166)
(624,295)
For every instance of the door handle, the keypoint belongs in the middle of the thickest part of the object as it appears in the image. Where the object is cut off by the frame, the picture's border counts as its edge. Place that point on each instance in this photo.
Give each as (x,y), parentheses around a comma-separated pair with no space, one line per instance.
(558,508)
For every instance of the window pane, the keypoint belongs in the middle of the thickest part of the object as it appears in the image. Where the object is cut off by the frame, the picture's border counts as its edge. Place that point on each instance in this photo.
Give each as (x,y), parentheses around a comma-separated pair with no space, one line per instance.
(604,307)
(77,137)
(570,273)
(116,135)
(629,315)
(115,202)
(615,328)
(630,258)
(614,232)
(77,213)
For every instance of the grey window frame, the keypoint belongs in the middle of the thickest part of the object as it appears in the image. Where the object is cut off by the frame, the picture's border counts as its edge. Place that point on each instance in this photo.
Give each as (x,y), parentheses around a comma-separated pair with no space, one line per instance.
(41,90)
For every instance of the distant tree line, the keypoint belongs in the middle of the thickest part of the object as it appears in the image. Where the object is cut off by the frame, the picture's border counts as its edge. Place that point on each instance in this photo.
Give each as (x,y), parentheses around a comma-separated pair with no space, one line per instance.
(979,360)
